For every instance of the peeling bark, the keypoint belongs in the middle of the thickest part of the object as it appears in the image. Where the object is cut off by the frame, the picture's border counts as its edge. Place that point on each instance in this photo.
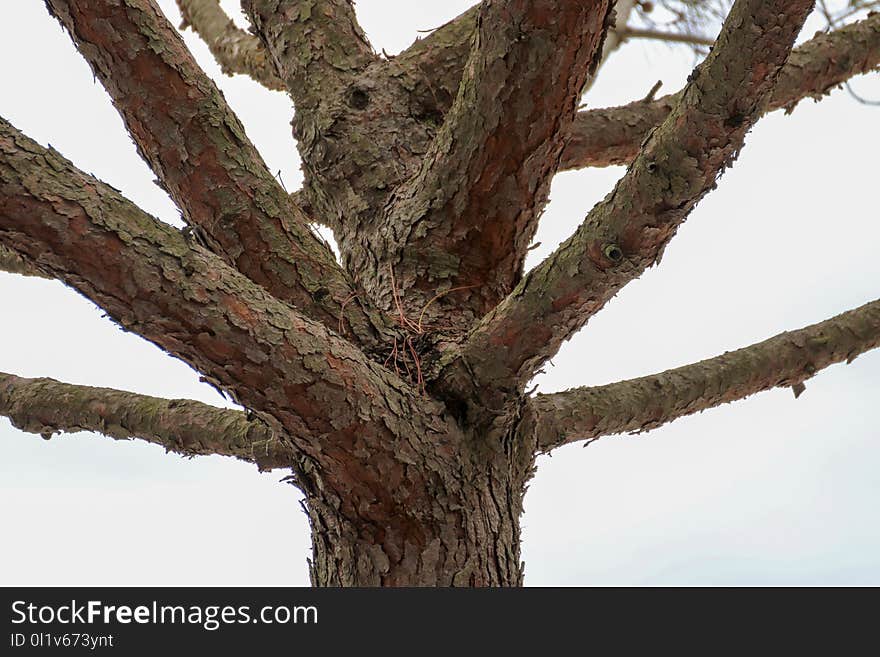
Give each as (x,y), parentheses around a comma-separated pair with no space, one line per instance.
(195,144)
(637,405)
(612,136)
(467,217)
(186,427)
(312,42)
(412,442)
(234,49)
(625,234)
(152,281)
(380,466)
(604,137)
(359,128)
(434,65)
(12,262)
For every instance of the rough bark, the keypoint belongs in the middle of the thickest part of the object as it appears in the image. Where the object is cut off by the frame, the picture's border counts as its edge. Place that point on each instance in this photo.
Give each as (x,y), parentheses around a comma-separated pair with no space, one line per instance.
(610,136)
(486,177)
(648,402)
(195,144)
(380,466)
(413,444)
(433,65)
(603,137)
(46,407)
(13,263)
(615,36)
(359,128)
(234,49)
(626,233)
(151,280)
(312,42)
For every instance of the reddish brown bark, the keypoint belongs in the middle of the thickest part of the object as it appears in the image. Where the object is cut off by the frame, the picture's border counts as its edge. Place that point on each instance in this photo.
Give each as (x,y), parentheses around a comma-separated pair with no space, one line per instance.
(195,144)
(413,448)
(379,464)
(626,233)
(608,136)
(466,218)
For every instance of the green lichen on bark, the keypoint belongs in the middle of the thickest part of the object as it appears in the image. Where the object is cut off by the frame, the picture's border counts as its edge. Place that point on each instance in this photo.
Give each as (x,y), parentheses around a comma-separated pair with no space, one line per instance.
(13,263)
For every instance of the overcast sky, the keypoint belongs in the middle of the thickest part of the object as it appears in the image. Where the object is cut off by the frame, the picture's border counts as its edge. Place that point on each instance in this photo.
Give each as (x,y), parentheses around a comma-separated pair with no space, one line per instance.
(770,490)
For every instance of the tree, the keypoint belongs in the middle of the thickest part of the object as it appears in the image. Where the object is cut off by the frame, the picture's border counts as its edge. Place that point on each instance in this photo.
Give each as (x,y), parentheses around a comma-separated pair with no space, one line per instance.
(394,385)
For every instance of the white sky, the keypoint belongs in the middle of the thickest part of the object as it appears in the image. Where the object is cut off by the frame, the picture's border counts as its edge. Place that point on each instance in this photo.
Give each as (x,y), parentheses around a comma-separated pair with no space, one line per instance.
(771,490)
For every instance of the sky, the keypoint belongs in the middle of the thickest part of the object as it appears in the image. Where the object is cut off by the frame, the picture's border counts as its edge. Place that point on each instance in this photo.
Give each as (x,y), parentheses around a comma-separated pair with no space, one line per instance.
(771,490)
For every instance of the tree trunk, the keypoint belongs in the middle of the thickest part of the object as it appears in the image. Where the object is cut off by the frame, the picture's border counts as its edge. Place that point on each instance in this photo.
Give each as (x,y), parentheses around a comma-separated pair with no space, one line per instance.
(464,532)
(473,547)
(394,386)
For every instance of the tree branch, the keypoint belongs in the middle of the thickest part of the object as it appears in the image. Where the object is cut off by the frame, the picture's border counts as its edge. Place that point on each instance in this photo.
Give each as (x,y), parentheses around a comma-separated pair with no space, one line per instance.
(313,388)
(434,65)
(614,38)
(191,428)
(235,50)
(604,137)
(486,176)
(184,129)
(672,37)
(315,44)
(626,233)
(648,402)
(609,136)
(12,262)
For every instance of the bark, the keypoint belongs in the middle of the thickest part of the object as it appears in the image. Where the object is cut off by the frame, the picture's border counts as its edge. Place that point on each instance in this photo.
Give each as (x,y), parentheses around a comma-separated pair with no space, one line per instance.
(234,49)
(612,136)
(152,281)
(380,466)
(195,144)
(311,42)
(359,128)
(12,262)
(437,61)
(191,428)
(433,65)
(486,176)
(604,137)
(413,444)
(648,402)
(615,37)
(626,233)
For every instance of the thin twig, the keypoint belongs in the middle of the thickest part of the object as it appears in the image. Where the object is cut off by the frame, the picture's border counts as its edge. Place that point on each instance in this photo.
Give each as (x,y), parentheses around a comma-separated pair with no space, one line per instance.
(671,37)
(433,299)
(349,298)
(649,98)
(403,320)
